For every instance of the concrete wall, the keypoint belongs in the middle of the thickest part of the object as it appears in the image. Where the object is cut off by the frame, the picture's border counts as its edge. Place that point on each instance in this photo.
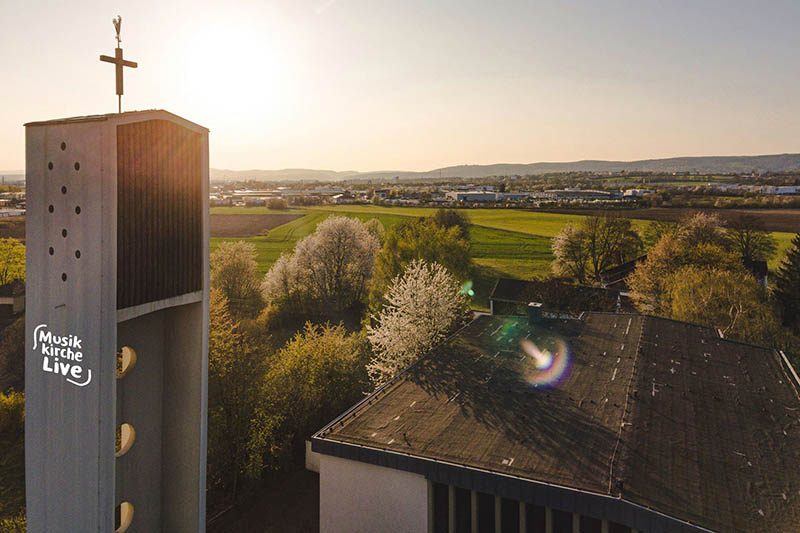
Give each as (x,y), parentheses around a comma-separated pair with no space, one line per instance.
(360,497)
(73,479)
(69,425)
(312,459)
(139,403)
(184,415)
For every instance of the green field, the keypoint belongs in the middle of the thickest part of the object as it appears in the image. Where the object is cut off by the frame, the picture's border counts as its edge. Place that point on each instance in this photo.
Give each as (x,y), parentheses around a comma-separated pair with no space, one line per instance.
(505,242)
(255,211)
(283,238)
(496,252)
(784,242)
(518,220)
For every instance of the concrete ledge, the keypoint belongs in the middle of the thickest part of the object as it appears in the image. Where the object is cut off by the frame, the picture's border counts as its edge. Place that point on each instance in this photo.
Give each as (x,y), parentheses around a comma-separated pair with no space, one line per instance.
(132,312)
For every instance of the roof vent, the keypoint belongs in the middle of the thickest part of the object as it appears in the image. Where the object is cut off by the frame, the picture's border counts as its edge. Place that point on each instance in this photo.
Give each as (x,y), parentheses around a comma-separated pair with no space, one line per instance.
(534,312)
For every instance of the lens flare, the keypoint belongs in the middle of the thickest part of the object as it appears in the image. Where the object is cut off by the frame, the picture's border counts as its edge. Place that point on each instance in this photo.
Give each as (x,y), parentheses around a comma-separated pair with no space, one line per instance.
(466,289)
(549,361)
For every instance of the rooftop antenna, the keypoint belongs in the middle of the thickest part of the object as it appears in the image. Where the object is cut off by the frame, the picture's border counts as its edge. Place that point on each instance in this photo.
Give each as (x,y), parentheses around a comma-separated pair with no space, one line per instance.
(119,62)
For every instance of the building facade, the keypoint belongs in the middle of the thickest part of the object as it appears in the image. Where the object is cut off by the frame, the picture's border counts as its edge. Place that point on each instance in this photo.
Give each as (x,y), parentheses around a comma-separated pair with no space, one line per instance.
(611,422)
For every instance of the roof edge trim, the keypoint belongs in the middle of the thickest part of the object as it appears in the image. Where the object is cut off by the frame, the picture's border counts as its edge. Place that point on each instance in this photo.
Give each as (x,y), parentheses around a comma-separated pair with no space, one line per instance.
(538,492)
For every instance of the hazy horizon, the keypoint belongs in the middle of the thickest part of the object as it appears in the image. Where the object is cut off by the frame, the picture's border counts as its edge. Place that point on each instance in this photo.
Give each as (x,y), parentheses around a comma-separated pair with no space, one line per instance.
(415,86)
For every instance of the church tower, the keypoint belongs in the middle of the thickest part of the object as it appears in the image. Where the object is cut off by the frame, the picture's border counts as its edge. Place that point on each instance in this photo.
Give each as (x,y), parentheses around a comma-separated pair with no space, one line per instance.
(116,368)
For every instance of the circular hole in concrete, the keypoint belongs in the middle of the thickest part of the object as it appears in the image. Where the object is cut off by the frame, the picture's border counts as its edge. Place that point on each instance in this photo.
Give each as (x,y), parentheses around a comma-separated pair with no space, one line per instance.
(64,276)
(51,251)
(77,254)
(77,166)
(51,208)
(123,516)
(126,360)
(50,165)
(63,146)
(64,233)
(125,437)
(63,189)
(77,210)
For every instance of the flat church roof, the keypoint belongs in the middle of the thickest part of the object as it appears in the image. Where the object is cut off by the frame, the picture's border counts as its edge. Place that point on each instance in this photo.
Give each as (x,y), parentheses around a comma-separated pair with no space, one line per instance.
(114,116)
(664,417)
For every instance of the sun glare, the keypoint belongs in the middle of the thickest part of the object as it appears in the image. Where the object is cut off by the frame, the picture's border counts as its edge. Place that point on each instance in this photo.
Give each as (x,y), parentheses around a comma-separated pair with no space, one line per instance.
(244,67)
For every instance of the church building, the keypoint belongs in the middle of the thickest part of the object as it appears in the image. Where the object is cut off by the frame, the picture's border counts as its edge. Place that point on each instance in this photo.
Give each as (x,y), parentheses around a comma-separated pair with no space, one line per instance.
(602,423)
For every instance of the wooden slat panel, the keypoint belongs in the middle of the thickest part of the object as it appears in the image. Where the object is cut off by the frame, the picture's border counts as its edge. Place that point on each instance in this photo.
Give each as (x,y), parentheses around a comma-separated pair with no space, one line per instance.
(159,170)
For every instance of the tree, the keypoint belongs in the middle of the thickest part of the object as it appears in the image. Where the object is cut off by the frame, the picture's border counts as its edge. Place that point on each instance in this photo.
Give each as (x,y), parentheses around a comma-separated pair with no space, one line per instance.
(729,300)
(12,465)
(571,254)
(786,291)
(451,218)
(746,235)
(698,241)
(670,254)
(375,227)
(282,281)
(424,304)
(12,356)
(235,374)
(418,239)
(702,228)
(657,229)
(599,243)
(330,268)
(235,272)
(277,203)
(12,260)
(317,375)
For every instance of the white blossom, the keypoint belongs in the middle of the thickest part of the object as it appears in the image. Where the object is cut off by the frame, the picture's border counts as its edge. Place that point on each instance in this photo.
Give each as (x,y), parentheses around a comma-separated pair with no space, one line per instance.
(424,303)
(330,267)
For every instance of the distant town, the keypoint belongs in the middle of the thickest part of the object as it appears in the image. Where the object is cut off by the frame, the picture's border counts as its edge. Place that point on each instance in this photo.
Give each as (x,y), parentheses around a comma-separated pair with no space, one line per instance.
(679,189)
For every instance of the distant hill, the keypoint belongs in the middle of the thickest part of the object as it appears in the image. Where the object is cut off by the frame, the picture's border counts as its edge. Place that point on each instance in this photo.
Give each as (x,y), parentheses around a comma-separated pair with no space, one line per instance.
(12,175)
(707,164)
(280,175)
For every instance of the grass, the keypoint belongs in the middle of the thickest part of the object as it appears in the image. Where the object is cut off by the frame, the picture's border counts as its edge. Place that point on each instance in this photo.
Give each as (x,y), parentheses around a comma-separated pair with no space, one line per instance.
(255,211)
(496,252)
(505,242)
(531,222)
(519,220)
(377,210)
(283,238)
(784,243)
(530,252)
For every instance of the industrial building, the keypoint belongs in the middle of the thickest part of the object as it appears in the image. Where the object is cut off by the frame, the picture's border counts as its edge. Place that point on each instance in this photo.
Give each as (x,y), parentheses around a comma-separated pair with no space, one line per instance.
(471,196)
(578,194)
(607,423)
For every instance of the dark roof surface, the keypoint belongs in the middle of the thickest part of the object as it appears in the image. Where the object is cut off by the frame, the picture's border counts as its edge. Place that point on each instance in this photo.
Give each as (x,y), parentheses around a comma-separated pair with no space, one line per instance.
(107,116)
(660,413)
(557,295)
(13,288)
(619,273)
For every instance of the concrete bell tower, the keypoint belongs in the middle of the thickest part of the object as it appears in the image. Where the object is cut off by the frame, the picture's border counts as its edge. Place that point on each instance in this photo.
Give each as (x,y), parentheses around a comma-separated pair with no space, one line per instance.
(116,364)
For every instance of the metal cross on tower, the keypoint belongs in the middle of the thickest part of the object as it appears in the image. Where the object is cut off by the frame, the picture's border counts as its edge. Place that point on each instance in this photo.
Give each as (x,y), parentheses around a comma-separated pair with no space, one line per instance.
(119,62)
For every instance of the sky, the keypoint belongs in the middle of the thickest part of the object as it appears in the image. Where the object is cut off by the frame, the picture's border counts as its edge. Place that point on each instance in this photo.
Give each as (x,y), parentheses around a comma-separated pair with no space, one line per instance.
(417,84)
